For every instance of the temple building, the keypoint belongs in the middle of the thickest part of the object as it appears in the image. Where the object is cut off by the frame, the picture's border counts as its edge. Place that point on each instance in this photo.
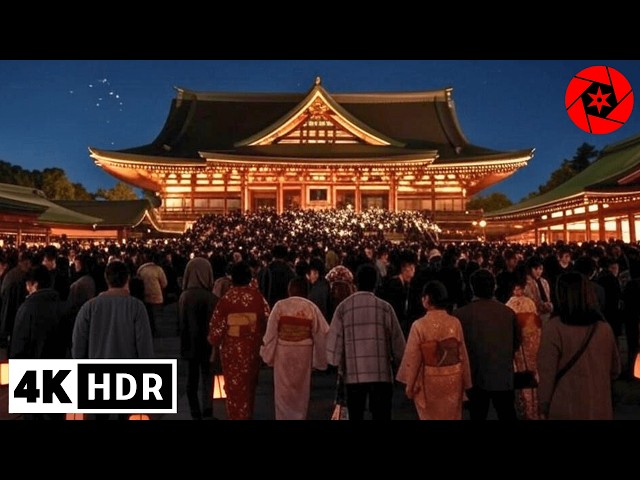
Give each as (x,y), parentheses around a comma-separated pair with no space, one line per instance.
(28,216)
(599,203)
(222,152)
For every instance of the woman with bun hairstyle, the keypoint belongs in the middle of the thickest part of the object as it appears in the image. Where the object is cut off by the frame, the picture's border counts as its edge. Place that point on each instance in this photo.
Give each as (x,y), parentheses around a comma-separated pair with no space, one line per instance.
(435,365)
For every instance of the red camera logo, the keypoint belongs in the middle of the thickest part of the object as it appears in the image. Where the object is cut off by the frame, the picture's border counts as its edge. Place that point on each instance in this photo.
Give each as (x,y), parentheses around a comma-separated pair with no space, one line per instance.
(599,99)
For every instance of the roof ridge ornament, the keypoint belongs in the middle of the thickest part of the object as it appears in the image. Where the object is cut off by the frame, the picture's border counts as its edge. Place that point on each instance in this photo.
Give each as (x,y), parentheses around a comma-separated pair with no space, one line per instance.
(318,80)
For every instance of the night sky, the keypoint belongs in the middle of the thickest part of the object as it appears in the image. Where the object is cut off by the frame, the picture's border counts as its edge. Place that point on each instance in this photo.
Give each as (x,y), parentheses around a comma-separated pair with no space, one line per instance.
(52,111)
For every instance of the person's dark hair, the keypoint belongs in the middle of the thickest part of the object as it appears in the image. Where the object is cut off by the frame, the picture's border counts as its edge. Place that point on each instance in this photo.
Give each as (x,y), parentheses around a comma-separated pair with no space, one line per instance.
(605,262)
(534,262)
(564,249)
(228,268)
(116,274)
(577,303)
(318,265)
(483,283)
(240,274)
(280,252)
(366,277)
(39,274)
(585,265)
(254,263)
(50,252)
(302,268)
(520,278)
(298,287)
(437,293)
(26,256)
(509,254)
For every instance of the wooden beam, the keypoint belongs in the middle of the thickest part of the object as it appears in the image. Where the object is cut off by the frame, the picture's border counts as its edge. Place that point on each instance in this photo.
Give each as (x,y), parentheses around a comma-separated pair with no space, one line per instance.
(602,232)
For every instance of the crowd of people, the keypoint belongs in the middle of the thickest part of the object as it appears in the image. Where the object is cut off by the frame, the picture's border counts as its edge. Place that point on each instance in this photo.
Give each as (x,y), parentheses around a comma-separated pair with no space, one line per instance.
(311,290)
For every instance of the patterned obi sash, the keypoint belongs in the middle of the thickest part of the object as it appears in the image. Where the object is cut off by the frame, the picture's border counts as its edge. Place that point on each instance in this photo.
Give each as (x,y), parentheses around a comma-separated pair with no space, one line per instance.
(440,353)
(294,329)
(241,324)
(527,320)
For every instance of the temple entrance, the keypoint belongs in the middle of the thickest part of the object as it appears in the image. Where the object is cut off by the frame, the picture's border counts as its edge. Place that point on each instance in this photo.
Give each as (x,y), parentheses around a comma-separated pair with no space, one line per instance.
(345,198)
(262,200)
(292,199)
(378,199)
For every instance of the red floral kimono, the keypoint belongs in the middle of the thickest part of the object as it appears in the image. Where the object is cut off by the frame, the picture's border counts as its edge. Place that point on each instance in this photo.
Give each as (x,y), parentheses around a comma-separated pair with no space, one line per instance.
(237,327)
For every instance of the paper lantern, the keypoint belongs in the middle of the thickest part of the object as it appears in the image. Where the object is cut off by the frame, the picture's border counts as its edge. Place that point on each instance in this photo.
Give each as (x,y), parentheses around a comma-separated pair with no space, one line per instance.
(218,387)
(139,416)
(74,416)
(4,373)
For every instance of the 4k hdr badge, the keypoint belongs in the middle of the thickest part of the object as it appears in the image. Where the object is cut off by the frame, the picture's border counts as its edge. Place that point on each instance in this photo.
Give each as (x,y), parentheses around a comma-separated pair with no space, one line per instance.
(599,99)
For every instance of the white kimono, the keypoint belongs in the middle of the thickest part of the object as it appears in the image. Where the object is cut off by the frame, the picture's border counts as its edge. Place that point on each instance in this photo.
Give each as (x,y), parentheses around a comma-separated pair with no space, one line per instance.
(294,344)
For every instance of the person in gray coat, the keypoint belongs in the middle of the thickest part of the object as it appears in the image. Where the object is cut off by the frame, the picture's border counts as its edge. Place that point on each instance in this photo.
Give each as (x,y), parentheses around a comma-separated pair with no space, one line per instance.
(491,335)
(366,343)
(114,324)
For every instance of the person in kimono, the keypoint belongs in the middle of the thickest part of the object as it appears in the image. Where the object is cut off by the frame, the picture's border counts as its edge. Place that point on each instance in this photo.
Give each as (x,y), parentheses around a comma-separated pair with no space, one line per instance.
(294,344)
(237,327)
(435,365)
(526,357)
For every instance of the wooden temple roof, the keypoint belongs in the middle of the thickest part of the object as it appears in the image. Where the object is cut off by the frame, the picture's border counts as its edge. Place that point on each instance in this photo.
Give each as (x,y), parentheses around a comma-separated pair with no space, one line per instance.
(405,123)
(114,213)
(31,200)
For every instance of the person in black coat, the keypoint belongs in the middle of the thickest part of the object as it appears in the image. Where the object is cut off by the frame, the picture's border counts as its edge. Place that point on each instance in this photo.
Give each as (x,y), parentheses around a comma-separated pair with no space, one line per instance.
(37,332)
(13,293)
(195,309)
(278,274)
(491,336)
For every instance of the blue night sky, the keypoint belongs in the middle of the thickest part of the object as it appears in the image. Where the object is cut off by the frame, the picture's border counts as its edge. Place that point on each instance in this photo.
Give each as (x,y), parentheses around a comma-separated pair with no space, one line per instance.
(52,111)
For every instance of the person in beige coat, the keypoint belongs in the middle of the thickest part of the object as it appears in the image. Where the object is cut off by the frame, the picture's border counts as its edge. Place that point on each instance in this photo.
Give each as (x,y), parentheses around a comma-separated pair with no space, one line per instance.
(435,365)
(584,392)
(155,281)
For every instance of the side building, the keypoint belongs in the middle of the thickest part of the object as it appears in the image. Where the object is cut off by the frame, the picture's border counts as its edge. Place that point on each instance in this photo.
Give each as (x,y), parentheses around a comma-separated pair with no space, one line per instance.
(599,203)
(28,216)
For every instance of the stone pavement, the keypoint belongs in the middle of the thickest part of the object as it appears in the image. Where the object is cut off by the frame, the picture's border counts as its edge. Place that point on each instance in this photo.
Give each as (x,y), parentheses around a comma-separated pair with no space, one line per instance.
(626,394)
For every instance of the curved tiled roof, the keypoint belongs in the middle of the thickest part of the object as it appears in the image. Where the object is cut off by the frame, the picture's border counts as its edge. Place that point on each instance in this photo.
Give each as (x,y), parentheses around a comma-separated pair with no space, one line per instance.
(33,200)
(217,122)
(616,162)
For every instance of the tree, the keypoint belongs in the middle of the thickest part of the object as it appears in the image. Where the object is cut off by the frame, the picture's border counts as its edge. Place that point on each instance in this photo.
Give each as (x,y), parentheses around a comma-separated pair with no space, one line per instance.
(56,185)
(120,191)
(16,175)
(584,155)
(81,193)
(569,168)
(490,203)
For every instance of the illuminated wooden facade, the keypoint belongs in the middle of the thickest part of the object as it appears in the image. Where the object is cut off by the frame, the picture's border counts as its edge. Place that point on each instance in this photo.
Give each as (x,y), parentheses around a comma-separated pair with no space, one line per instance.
(27,215)
(599,203)
(220,152)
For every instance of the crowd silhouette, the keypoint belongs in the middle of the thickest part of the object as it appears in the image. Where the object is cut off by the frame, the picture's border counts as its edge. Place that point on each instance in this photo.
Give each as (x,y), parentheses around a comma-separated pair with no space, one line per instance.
(511,306)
